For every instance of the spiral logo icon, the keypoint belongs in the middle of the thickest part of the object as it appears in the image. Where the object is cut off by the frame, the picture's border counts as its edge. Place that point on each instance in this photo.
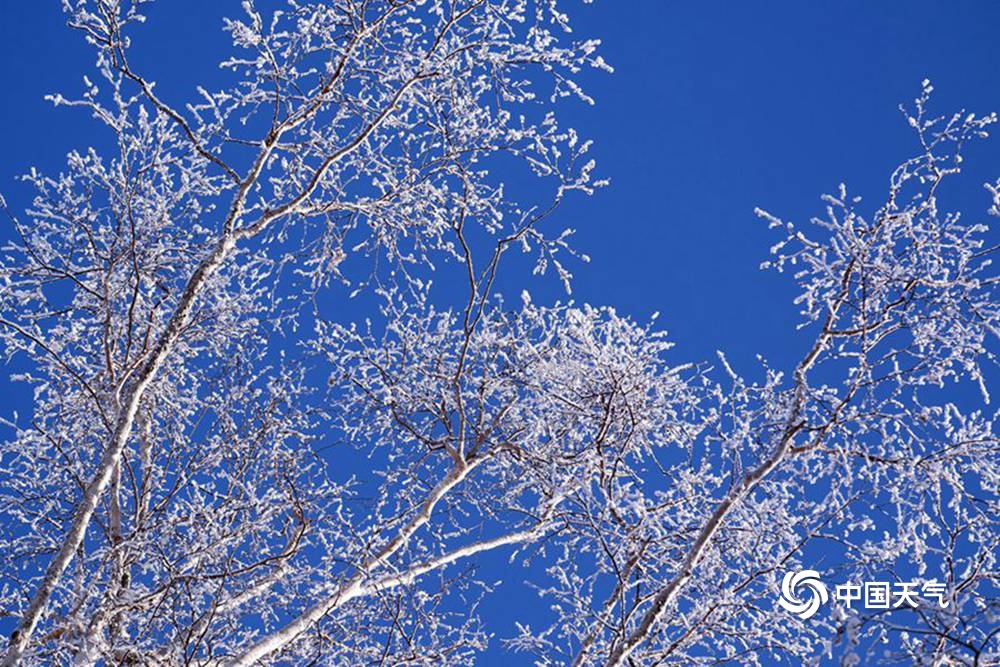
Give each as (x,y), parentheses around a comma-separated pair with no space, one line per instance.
(790,600)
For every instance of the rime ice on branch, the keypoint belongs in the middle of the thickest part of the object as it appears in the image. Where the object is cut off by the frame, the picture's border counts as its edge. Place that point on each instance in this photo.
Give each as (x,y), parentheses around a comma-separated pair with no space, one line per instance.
(174,497)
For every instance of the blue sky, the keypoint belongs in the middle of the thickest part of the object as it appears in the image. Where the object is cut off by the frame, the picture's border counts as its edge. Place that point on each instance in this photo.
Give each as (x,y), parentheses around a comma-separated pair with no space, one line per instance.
(714,108)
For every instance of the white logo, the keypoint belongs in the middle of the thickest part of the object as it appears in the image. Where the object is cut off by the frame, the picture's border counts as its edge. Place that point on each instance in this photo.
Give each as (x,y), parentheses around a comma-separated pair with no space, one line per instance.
(789,593)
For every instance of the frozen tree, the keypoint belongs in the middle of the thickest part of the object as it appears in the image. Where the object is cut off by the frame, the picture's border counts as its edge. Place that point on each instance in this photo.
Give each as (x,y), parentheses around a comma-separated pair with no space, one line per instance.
(163,477)
(178,494)
(854,455)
